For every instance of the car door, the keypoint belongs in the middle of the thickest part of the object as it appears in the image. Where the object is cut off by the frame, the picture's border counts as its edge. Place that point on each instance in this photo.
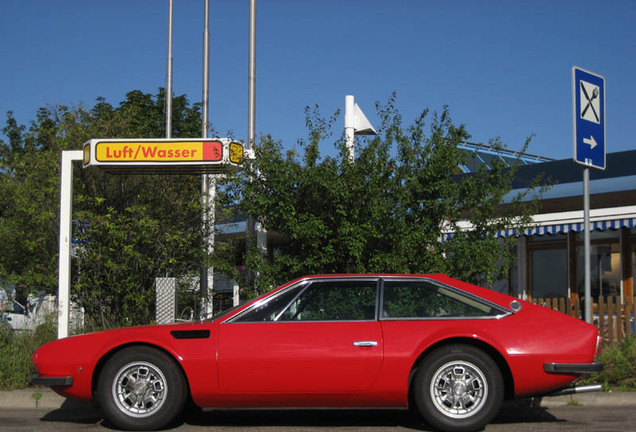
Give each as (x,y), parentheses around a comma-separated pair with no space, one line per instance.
(316,337)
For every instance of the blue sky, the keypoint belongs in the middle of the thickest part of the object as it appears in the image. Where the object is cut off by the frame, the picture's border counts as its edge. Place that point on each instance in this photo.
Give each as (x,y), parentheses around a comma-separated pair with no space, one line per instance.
(503,67)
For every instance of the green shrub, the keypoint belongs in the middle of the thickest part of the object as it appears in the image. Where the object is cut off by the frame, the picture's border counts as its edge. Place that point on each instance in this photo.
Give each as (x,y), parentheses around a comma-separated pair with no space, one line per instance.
(16,350)
(619,360)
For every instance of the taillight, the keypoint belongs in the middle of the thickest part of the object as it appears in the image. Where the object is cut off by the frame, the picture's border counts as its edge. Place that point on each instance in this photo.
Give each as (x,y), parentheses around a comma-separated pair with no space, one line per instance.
(597,351)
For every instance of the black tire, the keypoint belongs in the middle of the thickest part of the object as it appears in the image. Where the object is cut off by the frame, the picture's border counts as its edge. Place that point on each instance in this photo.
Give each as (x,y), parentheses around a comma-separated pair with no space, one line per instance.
(458,388)
(141,388)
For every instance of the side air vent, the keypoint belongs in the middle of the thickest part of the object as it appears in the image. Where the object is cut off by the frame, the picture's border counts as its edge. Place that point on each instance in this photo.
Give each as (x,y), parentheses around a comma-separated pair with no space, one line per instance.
(190,334)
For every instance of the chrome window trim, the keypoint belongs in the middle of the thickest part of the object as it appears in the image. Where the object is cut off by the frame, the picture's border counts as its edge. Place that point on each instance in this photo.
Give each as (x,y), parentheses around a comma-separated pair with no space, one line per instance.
(308,281)
(264,301)
(503,311)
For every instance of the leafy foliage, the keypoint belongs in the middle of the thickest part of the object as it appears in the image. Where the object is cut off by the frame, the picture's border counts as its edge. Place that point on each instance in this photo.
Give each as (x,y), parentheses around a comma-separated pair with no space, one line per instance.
(136,228)
(385,212)
(619,366)
(16,349)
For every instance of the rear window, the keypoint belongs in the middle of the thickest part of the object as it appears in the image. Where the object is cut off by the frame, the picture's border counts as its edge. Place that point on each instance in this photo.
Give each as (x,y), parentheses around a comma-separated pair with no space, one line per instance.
(425,299)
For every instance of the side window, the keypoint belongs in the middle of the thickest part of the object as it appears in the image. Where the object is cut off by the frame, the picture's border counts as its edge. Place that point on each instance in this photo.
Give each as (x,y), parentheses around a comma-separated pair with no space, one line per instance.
(424,299)
(271,307)
(334,301)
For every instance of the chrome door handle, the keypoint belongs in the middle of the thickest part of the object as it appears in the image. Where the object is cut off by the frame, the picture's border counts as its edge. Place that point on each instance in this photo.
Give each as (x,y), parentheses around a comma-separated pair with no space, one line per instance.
(365,343)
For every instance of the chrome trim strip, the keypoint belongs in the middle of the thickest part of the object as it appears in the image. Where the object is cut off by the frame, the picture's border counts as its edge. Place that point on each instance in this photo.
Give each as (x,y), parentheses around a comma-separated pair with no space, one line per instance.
(456,318)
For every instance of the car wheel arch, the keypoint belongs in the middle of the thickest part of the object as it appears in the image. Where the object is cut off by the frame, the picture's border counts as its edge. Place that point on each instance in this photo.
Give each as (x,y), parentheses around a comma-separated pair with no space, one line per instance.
(485,347)
(109,354)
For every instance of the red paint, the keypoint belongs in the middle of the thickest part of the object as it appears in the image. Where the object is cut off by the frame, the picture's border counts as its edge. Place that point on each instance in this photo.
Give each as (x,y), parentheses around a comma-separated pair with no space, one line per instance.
(315,364)
(212,150)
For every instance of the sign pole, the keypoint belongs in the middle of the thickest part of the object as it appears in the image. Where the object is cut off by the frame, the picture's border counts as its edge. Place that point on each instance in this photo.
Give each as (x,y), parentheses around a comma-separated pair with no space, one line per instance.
(208,182)
(588,97)
(586,247)
(169,76)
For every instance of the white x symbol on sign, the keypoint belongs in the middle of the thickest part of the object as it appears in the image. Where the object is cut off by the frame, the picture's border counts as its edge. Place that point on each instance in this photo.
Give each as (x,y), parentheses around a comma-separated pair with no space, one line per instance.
(590,102)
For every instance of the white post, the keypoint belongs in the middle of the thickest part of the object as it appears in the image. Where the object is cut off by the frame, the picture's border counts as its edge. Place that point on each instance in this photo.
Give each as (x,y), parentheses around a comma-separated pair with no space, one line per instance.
(66,211)
(350,124)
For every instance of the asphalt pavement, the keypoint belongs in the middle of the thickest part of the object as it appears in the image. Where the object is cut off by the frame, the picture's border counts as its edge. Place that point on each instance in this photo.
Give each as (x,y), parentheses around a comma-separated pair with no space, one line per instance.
(44,397)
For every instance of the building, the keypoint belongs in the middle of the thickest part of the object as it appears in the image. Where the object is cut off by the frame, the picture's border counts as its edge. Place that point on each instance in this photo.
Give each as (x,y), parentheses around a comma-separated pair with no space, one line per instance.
(550,254)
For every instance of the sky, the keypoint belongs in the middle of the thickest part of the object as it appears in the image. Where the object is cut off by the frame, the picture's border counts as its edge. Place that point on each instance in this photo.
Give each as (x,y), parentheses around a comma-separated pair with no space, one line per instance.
(503,67)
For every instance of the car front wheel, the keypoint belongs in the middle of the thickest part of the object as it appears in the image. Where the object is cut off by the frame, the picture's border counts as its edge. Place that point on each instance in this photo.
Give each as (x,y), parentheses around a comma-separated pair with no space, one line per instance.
(458,388)
(141,388)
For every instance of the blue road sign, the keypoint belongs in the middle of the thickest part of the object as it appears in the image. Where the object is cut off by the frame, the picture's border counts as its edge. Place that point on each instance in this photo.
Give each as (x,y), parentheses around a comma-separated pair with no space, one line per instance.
(589,118)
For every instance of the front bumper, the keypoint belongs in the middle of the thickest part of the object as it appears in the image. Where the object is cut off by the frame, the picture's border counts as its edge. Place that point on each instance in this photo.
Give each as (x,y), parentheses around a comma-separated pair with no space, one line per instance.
(52,381)
(573,368)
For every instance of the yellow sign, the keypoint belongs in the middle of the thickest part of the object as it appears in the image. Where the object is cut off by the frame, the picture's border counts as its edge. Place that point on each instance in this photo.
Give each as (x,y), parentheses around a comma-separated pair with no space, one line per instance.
(165,156)
(159,151)
(236,153)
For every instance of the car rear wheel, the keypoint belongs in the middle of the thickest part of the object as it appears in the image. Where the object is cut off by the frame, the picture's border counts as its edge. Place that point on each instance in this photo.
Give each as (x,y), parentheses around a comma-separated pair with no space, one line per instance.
(141,388)
(458,388)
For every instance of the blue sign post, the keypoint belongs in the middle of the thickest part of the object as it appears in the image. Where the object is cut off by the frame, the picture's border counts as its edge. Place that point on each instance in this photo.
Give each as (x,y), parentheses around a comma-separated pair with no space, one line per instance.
(589,150)
(589,118)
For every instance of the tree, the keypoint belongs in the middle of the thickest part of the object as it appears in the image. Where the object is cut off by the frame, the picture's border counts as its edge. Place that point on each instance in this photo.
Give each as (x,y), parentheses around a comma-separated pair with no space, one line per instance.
(386,211)
(136,227)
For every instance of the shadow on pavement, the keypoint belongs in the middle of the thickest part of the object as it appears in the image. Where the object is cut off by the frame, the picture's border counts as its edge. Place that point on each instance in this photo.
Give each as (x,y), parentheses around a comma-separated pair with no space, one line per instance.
(74,412)
(521,411)
(324,418)
(524,411)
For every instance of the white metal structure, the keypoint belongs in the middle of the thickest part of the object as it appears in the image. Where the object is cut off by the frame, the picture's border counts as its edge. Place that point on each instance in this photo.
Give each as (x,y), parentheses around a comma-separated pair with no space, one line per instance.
(356,123)
(66,210)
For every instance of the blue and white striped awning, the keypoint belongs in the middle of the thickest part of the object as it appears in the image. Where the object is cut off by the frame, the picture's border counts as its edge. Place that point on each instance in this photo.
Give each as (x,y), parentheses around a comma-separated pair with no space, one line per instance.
(564,228)
(602,225)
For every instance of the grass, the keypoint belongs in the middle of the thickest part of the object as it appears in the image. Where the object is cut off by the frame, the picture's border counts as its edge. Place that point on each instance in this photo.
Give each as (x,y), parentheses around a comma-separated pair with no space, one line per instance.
(16,349)
(619,372)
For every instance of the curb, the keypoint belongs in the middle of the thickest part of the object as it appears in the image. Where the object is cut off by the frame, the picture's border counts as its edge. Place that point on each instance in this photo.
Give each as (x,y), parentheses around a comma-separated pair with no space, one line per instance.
(586,399)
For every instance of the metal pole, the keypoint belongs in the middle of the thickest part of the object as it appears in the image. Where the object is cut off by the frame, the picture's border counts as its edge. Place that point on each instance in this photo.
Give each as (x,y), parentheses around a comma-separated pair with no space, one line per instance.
(206,70)
(169,77)
(208,183)
(586,247)
(349,120)
(251,125)
(251,111)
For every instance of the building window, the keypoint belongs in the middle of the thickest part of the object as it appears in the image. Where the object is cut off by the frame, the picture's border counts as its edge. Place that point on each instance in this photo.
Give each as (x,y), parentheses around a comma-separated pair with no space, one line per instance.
(548,272)
(605,265)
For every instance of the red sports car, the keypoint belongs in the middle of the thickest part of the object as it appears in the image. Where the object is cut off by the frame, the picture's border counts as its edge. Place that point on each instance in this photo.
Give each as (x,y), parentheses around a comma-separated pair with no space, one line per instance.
(452,350)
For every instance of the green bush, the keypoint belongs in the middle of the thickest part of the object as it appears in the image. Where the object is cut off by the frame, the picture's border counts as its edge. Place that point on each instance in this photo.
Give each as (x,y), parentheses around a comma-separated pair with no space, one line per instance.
(16,350)
(619,372)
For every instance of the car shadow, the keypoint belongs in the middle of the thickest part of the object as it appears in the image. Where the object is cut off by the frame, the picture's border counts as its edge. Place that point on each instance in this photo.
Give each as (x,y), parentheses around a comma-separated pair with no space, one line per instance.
(524,411)
(518,411)
(322,418)
(73,411)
